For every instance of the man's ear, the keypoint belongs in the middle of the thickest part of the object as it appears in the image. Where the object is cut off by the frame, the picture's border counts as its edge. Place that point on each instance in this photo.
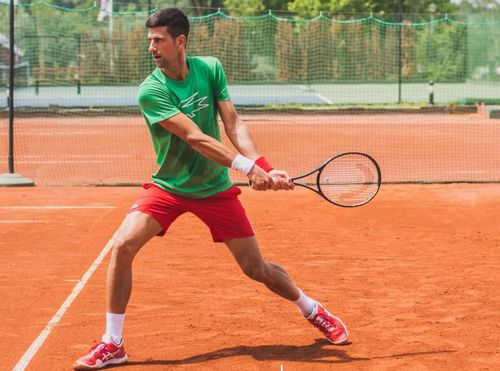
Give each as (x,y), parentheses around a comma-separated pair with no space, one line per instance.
(181,40)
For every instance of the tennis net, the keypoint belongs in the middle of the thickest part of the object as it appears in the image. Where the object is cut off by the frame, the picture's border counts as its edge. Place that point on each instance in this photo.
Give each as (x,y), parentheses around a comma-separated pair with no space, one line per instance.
(307,88)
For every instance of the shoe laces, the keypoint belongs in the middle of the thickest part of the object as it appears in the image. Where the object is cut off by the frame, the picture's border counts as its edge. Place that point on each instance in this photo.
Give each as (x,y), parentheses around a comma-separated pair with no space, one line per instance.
(99,348)
(324,322)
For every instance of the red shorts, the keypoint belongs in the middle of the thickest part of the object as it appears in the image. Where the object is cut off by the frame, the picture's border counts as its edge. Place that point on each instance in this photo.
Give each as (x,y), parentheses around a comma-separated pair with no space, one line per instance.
(222,213)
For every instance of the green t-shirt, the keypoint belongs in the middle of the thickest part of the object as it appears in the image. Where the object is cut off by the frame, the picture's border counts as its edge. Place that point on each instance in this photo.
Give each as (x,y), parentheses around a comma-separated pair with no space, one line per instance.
(182,170)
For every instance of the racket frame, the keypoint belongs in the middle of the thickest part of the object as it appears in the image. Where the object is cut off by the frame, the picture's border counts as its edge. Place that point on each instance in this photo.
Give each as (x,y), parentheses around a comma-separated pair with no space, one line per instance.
(320,169)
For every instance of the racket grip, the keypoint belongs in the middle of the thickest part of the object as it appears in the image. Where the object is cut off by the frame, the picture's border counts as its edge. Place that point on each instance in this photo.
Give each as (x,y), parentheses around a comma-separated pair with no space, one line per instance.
(250,182)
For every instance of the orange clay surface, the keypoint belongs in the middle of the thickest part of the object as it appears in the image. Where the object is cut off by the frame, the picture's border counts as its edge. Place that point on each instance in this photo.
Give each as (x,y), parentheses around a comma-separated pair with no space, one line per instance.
(414,274)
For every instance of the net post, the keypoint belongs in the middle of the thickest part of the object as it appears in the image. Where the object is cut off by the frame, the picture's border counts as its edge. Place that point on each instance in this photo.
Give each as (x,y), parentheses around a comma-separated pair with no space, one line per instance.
(15,180)
(11,178)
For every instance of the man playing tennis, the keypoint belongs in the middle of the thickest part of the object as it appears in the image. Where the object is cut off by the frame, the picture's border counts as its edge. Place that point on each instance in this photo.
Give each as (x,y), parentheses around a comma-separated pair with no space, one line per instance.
(180,100)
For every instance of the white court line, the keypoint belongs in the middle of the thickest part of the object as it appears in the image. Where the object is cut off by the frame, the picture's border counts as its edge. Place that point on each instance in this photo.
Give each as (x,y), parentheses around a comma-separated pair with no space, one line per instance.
(61,161)
(13,221)
(49,207)
(307,88)
(323,98)
(138,122)
(37,344)
(75,156)
(67,133)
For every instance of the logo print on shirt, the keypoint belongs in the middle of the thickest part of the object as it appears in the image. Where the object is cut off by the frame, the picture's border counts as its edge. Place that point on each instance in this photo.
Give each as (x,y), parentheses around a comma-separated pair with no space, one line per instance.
(197,103)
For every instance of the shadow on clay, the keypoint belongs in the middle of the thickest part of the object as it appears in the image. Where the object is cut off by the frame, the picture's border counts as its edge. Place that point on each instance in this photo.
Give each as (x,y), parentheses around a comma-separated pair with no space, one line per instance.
(321,351)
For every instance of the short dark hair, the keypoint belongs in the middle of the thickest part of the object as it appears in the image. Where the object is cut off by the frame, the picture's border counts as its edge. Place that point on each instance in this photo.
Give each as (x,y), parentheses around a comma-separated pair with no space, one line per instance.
(174,19)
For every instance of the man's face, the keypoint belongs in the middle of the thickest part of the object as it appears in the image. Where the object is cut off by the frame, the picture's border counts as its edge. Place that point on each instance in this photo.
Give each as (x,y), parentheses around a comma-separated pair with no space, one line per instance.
(163,47)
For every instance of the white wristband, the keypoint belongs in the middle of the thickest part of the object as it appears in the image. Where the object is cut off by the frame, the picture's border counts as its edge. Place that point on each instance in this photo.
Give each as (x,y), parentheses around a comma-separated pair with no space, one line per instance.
(243,164)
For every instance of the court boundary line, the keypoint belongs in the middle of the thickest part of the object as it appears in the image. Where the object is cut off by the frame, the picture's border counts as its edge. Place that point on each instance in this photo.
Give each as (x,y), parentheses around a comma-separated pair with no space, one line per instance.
(40,340)
(320,96)
(324,99)
(22,221)
(57,207)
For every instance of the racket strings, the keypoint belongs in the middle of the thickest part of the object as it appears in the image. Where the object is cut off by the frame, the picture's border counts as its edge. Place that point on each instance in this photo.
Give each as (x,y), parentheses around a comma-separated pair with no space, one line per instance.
(349,180)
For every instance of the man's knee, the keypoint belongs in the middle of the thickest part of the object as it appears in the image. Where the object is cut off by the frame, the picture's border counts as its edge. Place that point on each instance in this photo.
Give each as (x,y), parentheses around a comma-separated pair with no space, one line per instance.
(124,249)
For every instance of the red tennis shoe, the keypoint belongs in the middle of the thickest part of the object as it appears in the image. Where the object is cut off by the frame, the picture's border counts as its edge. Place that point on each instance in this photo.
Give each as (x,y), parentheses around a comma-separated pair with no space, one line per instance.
(332,327)
(102,355)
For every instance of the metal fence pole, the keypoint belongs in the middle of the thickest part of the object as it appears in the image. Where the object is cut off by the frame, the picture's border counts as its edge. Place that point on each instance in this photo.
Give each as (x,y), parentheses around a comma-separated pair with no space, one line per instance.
(11,178)
(12,56)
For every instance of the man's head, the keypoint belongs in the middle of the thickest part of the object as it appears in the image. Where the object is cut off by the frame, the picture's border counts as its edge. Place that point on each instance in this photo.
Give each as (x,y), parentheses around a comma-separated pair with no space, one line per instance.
(173,19)
(168,30)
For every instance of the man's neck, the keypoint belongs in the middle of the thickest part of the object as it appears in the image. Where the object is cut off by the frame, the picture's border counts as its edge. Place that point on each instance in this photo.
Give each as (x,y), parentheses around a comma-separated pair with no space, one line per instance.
(177,72)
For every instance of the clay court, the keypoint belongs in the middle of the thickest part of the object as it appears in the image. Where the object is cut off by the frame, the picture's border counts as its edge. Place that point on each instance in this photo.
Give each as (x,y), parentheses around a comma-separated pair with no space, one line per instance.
(414,274)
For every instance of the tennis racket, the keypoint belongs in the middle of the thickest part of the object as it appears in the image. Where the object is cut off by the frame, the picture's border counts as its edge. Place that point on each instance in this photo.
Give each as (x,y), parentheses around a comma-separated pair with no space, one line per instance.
(348,179)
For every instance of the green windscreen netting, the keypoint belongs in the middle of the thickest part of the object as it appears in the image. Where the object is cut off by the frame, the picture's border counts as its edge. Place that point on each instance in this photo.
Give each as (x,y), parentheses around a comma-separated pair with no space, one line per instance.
(76,80)
(262,50)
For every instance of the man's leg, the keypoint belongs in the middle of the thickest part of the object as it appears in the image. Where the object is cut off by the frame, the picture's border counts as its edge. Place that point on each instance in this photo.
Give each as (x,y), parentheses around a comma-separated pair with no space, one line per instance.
(247,253)
(136,229)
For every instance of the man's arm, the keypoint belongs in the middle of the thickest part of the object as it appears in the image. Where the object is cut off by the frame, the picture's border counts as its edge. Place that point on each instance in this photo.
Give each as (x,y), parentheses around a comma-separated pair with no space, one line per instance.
(237,131)
(182,126)
(239,135)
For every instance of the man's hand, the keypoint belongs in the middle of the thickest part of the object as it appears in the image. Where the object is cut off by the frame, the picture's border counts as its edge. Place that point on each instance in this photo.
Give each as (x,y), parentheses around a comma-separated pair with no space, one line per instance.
(281,179)
(275,180)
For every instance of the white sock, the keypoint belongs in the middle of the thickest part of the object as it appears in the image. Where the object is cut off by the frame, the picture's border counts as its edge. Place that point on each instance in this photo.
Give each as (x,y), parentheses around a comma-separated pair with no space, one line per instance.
(305,304)
(114,327)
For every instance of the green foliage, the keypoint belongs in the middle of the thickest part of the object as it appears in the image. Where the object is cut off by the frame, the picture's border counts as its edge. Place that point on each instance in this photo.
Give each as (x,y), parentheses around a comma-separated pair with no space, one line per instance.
(483,57)
(263,49)
(479,6)
(254,7)
(443,49)
(308,8)
(311,8)
(227,40)
(245,7)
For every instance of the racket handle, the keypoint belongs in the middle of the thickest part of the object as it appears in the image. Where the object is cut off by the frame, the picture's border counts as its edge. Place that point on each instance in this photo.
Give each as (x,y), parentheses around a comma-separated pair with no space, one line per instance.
(250,182)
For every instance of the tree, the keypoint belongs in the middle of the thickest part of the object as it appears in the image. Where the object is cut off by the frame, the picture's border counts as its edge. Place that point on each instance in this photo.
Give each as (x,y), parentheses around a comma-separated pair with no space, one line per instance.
(254,7)
(245,7)
(308,8)
(468,6)
(202,7)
